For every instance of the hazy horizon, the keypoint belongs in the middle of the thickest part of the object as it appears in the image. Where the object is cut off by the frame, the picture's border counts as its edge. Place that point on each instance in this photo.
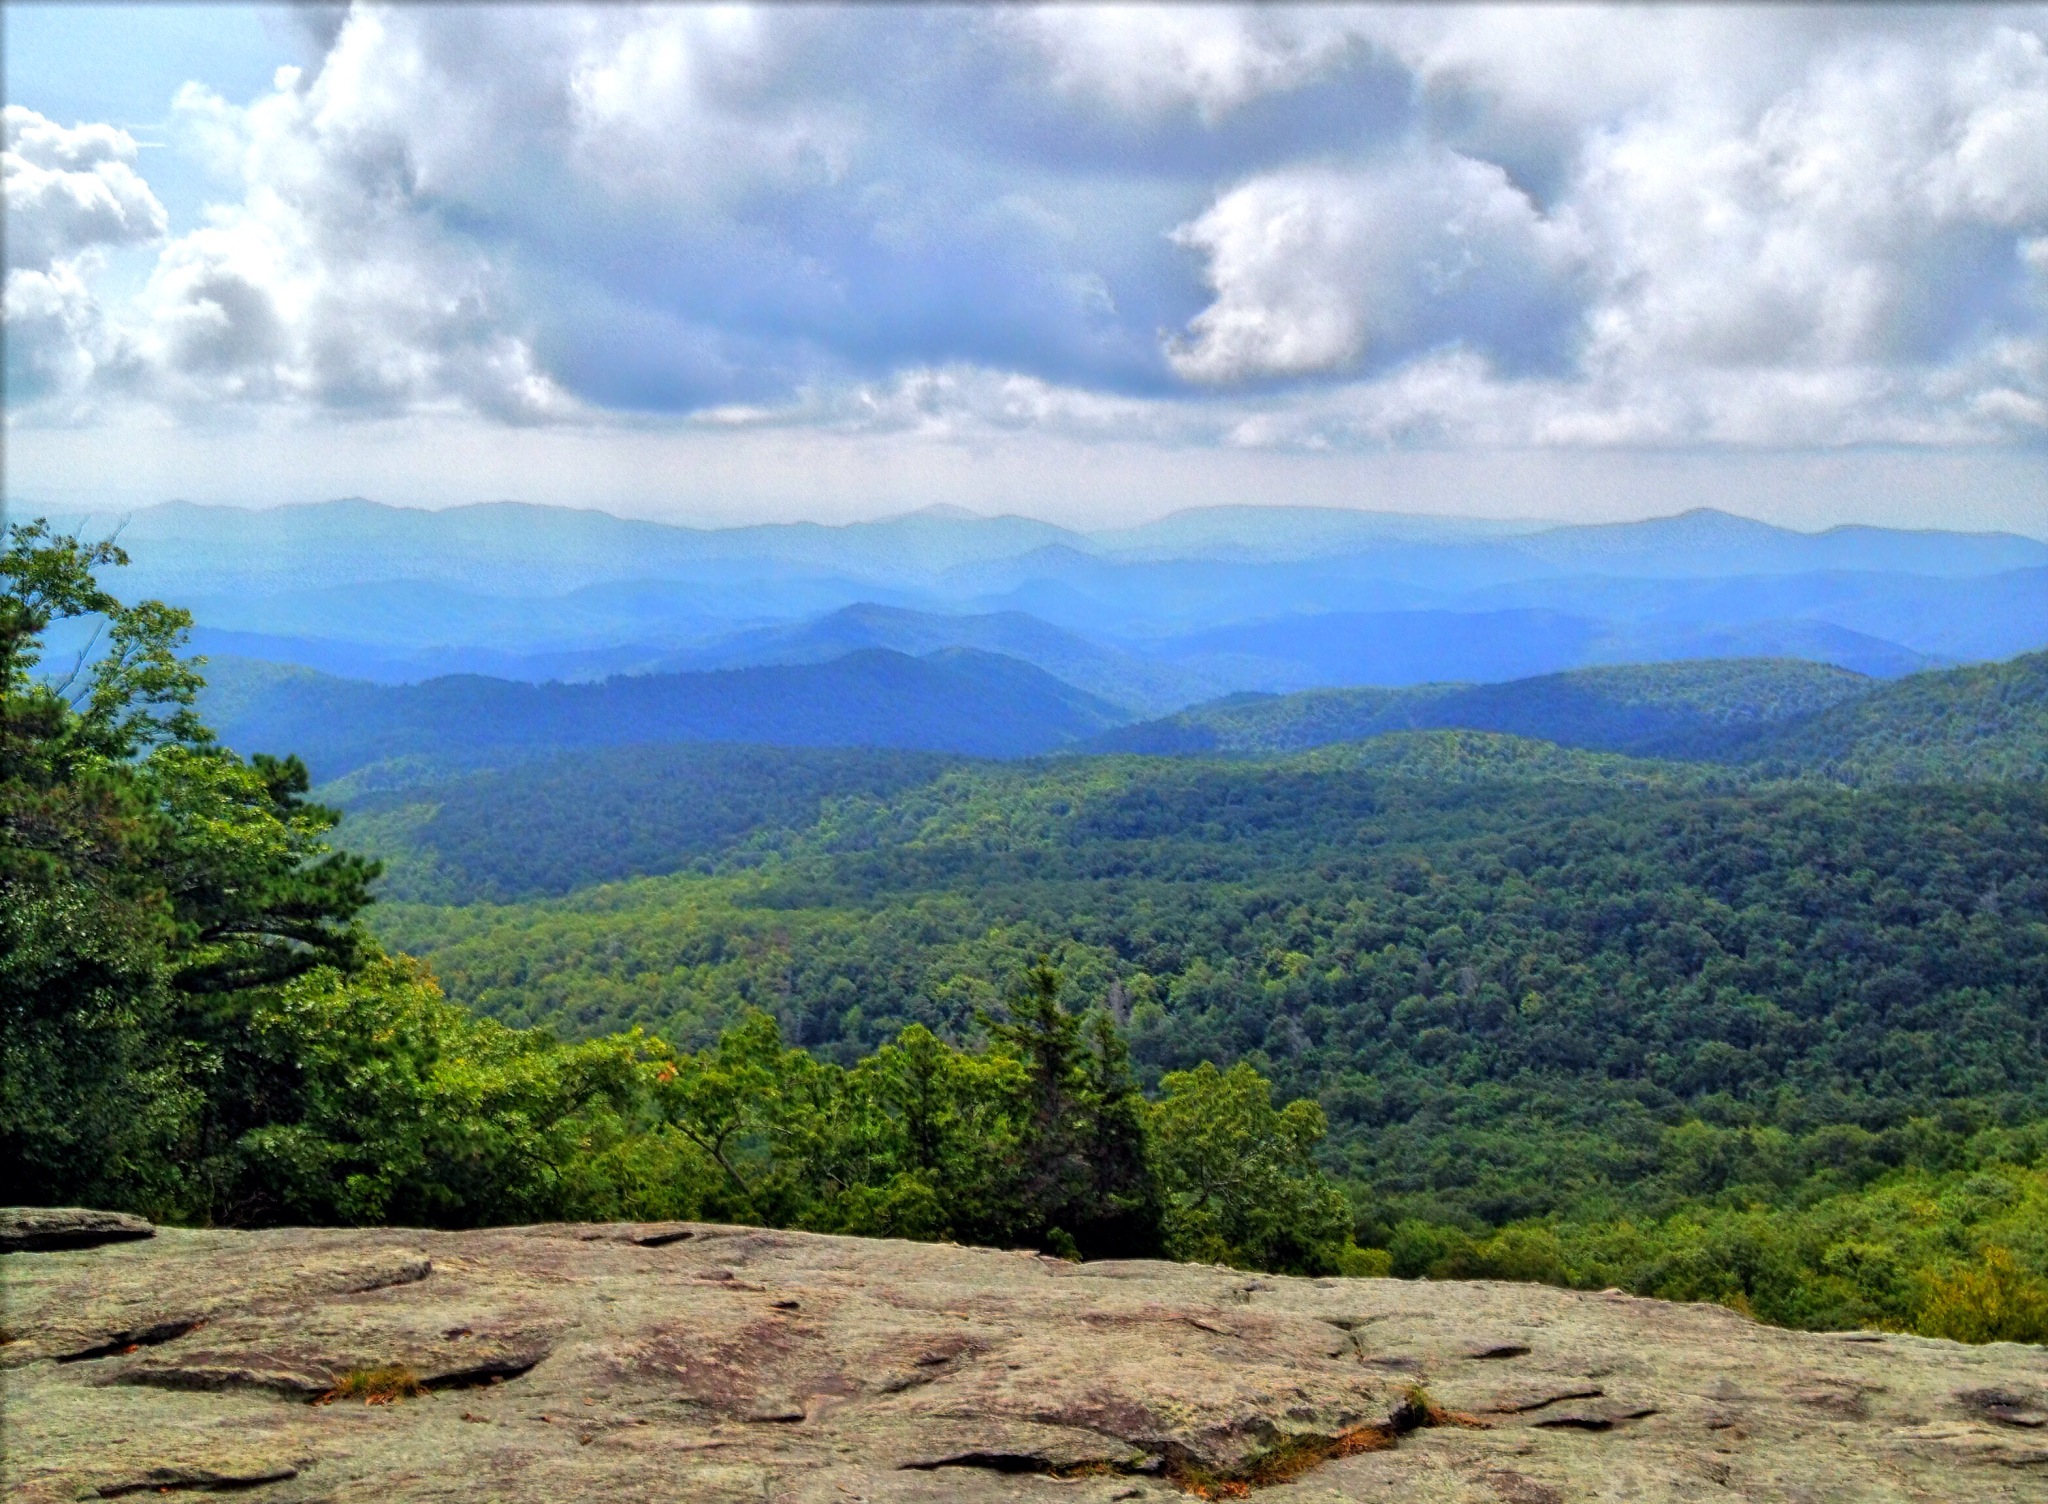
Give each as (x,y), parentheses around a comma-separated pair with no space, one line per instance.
(23,508)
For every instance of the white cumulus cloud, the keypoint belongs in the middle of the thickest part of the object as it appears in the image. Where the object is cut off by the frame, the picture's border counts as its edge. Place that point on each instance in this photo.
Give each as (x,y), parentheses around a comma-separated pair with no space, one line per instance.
(1841,260)
(1145,59)
(1249,226)
(72,189)
(73,194)
(1311,267)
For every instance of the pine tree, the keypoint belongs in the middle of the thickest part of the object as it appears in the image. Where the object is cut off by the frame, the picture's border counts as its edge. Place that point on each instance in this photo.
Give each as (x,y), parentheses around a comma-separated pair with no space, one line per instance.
(1083,1184)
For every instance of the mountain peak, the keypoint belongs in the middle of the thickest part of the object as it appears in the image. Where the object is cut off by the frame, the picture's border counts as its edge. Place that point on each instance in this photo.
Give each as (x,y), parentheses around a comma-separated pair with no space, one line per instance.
(943,511)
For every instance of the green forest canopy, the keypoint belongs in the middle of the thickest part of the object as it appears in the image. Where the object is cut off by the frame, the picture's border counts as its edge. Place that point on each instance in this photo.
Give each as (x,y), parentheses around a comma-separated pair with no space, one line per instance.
(1639,707)
(197,1026)
(1777,717)
(1533,1013)
(1524,983)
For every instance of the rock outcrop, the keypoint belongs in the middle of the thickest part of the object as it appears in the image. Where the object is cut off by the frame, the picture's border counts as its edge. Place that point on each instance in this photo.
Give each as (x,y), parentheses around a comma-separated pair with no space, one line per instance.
(40,1229)
(682,1362)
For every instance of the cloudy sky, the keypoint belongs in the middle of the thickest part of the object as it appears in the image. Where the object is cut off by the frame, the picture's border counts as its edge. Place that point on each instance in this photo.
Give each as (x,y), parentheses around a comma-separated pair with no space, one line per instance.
(1086,263)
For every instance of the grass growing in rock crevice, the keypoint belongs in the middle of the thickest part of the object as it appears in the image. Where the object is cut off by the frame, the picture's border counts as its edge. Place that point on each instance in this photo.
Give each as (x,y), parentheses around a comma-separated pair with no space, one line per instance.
(385,1385)
(1291,1456)
(1282,1461)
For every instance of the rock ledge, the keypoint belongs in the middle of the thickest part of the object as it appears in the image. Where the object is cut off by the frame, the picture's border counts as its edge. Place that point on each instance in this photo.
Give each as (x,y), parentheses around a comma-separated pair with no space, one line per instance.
(679,1361)
(39,1229)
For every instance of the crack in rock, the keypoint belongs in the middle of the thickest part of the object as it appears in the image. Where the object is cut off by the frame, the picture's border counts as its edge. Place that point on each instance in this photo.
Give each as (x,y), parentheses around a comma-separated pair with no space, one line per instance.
(162,1480)
(664,1239)
(1281,1460)
(1527,1403)
(1593,1420)
(1035,1463)
(313,1380)
(127,1342)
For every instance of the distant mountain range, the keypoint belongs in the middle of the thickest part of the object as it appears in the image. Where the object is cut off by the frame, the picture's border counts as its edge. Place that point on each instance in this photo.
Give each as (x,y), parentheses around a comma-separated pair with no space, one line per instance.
(1644,709)
(1774,717)
(511,548)
(1117,676)
(956,700)
(598,814)
(1148,619)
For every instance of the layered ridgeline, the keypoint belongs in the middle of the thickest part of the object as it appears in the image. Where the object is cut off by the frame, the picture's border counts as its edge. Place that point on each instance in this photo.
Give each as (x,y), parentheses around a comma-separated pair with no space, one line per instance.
(1769,717)
(197,1025)
(1653,708)
(1150,618)
(1981,723)
(1774,717)
(1571,1014)
(596,816)
(1687,1027)
(955,700)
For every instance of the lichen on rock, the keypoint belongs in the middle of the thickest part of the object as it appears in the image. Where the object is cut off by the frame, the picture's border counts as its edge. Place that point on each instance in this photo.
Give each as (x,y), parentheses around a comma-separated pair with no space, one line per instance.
(702,1362)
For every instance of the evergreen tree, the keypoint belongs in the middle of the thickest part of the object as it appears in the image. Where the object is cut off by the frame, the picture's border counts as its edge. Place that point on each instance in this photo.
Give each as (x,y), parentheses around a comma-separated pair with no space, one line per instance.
(1083,1188)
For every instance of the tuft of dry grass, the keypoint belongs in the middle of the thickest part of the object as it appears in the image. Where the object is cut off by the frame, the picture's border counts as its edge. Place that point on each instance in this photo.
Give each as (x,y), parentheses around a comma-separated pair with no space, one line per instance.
(386,1385)
(1418,1409)
(1291,1456)
(1282,1462)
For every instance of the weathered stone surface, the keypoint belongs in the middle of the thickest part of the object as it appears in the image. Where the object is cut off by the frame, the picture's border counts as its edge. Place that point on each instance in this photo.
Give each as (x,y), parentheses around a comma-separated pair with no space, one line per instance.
(715,1363)
(25,1229)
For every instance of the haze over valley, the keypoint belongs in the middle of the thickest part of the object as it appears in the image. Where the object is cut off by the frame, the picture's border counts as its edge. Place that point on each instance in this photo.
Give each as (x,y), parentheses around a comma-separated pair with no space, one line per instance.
(1150,619)
(871,681)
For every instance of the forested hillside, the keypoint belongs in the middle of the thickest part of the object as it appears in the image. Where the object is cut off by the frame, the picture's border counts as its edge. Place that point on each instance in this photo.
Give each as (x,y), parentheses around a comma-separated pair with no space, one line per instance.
(1499,986)
(1543,1012)
(957,700)
(1664,708)
(1522,982)
(1775,718)
(565,822)
(1988,722)
(598,816)
(197,1027)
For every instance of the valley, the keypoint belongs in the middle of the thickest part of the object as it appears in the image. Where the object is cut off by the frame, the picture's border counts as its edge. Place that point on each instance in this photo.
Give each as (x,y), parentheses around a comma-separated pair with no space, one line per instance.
(1000,752)
(1677,975)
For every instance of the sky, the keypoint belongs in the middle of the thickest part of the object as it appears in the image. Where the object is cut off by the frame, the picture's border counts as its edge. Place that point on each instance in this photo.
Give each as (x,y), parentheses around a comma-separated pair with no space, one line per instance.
(725,264)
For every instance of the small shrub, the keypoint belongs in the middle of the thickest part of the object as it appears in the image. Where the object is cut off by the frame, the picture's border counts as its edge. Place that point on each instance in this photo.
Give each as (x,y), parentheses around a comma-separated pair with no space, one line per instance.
(1354,1262)
(1997,1301)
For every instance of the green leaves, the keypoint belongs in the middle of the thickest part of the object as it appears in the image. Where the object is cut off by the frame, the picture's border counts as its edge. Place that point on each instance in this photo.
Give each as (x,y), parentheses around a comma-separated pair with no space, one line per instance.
(135,693)
(255,892)
(1501,992)
(1042,1139)
(1994,1300)
(1240,1182)
(149,880)
(375,1099)
(1038,1140)
(1959,1253)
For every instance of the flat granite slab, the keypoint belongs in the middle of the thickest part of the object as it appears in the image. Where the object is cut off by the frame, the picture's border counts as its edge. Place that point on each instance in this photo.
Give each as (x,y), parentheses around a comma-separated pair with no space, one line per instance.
(686,1362)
